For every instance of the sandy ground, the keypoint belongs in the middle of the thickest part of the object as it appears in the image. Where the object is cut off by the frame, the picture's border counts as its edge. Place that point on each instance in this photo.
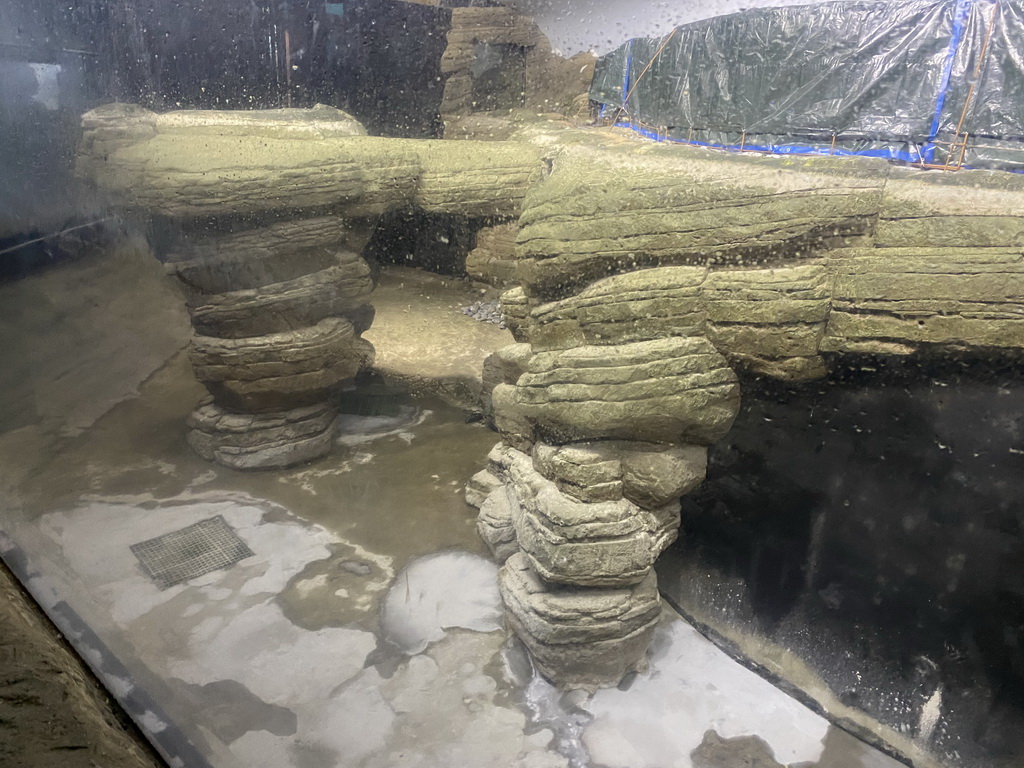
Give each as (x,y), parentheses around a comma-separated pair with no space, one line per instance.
(424,343)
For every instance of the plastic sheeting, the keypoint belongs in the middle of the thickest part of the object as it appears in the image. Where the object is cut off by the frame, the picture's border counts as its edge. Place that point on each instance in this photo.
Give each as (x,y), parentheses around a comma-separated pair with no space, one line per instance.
(893,79)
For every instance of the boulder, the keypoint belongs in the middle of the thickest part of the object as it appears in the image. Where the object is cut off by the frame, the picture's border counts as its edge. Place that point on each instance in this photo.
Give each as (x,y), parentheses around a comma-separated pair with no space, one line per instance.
(580,638)
(653,475)
(279,371)
(480,486)
(567,541)
(648,474)
(673,390)
(489,479)
(495,527)
(261,441)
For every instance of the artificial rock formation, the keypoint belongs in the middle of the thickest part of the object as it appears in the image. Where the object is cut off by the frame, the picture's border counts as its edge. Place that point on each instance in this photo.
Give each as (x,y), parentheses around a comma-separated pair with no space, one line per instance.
(492,259)
(261,441)
(261,374)
(581,497)
(277,305)
(581,638)
(547,82)
(271,211)
(645,276)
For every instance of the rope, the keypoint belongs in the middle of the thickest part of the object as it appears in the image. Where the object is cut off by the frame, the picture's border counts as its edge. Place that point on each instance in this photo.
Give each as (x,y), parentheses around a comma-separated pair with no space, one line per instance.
(654,58)
(970,94)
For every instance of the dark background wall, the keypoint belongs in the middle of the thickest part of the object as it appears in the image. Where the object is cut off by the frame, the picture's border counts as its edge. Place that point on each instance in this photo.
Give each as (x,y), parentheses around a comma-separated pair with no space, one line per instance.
(378,59)
(873,525)
(44,58)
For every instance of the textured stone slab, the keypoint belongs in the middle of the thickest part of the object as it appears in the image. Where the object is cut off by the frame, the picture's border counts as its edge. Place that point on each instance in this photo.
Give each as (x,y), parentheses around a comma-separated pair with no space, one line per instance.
(637,306)
(261,441)
(771,320)
(763,319)
(495,526)
(502,367)
(580,638)
(648,474)
(282,370)
(506,365)
(567,541)
(193,171)
(476,178)
(338,290)
(589,472)
(972,209)
(212,273)
(264,254)
(951,296)
(626,207)
(675,390)
(489,479)
(492,259)
(202,163)
(480,486)
(515,308)
(515,428)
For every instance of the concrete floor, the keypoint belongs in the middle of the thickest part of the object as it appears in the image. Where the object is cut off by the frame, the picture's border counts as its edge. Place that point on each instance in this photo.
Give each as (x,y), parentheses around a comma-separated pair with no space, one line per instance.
(365,629)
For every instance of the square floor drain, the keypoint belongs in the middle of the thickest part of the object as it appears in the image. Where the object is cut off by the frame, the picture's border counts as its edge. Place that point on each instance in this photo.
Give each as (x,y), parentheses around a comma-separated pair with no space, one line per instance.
(207,546)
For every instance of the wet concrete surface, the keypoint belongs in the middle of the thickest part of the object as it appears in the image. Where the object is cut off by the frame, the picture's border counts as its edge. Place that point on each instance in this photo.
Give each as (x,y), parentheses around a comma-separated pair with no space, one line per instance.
(365,629)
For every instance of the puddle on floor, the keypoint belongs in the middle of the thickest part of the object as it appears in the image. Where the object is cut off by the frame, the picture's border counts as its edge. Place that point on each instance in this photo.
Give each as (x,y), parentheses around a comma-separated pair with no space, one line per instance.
(393,484)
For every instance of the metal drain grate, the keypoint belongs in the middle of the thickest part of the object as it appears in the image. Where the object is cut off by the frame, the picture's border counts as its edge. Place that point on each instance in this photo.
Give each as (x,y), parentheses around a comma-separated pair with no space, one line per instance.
(207,546)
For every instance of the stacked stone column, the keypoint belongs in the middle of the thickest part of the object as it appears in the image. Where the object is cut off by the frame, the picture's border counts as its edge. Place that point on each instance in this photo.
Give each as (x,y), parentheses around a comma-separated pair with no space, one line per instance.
(278,312)
(599,441)
(272,210)
(268,246)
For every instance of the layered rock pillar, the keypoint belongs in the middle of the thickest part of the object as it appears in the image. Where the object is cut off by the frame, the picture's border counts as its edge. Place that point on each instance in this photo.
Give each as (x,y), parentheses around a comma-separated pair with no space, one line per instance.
(270,212)
(646,276)
(278,292)
(599,441)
